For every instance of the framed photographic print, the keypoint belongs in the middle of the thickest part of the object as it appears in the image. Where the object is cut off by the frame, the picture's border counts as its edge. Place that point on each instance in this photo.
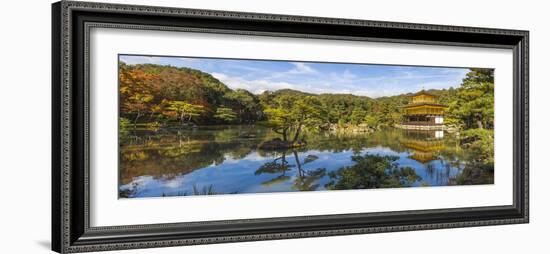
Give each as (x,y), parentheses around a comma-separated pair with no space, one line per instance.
(181,126)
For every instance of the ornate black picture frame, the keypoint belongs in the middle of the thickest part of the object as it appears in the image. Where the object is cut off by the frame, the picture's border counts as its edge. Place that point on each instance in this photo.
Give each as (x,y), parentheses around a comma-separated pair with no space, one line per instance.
(71,230)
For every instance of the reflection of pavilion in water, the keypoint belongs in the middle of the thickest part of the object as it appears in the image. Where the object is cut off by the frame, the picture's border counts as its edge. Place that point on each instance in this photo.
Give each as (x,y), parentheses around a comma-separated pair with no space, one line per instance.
(425,147)
(424,144)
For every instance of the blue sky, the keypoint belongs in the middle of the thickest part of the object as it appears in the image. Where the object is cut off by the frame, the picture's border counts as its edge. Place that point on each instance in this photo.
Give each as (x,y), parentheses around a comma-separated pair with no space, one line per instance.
(370,80)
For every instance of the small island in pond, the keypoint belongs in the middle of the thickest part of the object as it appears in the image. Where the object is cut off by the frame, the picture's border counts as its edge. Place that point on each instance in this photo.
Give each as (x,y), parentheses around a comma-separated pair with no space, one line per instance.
(206,126)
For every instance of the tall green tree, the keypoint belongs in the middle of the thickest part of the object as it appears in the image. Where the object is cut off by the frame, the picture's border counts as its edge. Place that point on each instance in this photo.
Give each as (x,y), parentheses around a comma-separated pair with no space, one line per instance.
(225,114)
(185,111)
(135,91)
(295,114)
(474,103)
(279,116)
(307,113)
(245,104)
(358,115)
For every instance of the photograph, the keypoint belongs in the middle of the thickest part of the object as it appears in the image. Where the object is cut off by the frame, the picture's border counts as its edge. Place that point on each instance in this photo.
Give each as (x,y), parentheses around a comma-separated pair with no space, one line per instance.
(212,126)
(207,126)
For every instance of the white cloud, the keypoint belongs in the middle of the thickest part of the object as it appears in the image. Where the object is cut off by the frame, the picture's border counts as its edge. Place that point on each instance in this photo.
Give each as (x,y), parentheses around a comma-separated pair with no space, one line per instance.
(246,68)
(347,74)
(298,69)
(174,61)
(174,183)
(255,86)
(344,78)
(302,68)
(440,84)
(140,59)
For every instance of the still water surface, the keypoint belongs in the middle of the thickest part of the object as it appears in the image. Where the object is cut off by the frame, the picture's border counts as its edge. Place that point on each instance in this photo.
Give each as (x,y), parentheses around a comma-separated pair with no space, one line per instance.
(226,160)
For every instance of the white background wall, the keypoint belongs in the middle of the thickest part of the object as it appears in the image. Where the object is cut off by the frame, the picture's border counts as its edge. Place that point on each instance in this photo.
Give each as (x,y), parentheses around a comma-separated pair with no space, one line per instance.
(25,125)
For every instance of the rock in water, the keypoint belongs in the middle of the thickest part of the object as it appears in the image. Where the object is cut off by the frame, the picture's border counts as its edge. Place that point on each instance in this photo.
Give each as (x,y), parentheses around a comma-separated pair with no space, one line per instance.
(310,158)
(279,144)
(275,144)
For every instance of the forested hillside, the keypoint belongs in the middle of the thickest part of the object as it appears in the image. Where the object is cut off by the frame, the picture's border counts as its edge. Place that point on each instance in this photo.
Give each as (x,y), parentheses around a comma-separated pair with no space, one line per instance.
(167,95)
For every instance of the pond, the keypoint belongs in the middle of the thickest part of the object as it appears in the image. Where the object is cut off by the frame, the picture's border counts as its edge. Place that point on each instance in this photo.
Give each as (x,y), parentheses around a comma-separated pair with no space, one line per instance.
(226,160)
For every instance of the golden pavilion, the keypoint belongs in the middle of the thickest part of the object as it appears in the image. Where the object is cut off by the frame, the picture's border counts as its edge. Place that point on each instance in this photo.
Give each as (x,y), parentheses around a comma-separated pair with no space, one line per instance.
(423,112)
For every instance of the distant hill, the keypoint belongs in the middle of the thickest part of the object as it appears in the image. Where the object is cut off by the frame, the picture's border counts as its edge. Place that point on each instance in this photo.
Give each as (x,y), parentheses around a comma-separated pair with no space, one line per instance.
(287,91)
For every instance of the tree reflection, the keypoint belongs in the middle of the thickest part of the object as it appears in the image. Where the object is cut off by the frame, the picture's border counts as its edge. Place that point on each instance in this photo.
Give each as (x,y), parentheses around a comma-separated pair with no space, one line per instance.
(164,155)
(306,180)
(278,166)
(172,154)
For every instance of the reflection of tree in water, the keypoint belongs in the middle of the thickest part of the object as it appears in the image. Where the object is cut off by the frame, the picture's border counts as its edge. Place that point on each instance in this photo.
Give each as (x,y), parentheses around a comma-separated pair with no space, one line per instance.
(474,173)
(441,176)
(164,155)
(476,163)
(305,180)
(356,142)
(170,155)
(372,171)
(133,190)
(278,166)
